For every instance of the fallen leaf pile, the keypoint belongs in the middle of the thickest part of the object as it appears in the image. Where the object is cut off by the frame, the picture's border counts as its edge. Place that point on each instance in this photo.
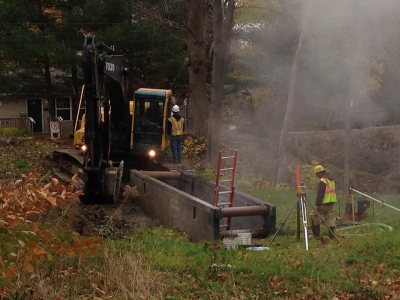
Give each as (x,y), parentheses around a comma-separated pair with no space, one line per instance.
(27,196)
(26,243)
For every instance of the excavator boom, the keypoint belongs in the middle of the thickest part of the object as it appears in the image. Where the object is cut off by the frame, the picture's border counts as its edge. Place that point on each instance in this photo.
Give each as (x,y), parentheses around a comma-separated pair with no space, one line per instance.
(105,96)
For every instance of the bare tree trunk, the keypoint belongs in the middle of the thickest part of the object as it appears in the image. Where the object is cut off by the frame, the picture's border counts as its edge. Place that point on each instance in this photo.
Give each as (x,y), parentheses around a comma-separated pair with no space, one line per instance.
(222,27)
(347,142)
(282,168)
(49,92)
(197,65)
(347,147)
(46,65)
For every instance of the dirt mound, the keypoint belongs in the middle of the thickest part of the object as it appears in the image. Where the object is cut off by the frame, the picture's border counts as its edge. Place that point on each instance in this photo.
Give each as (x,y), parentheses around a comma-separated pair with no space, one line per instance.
(111,220)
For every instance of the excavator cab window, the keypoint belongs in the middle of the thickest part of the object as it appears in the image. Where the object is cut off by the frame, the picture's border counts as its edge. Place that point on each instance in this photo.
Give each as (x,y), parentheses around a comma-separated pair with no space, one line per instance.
(153,112)
(149,120)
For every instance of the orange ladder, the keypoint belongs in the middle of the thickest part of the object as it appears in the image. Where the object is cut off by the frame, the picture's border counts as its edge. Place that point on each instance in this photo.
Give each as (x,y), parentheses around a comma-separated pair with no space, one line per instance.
(223,171)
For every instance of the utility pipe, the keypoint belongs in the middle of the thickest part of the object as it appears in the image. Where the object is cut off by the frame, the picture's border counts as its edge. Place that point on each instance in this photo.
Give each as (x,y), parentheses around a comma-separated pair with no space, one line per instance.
(241,211)
(162,174)
(374,199)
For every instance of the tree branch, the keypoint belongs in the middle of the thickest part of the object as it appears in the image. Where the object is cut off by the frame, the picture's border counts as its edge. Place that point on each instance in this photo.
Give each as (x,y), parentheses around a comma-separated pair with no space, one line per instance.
(156,16)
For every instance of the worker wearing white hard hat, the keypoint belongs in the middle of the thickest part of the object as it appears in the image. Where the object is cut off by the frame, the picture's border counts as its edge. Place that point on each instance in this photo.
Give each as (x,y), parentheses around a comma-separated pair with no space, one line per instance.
(175,130)
(175,109)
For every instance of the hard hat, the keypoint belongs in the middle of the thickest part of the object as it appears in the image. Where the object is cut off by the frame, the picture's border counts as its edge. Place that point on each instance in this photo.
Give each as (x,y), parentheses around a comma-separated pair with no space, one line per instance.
(318,169)
(175,108)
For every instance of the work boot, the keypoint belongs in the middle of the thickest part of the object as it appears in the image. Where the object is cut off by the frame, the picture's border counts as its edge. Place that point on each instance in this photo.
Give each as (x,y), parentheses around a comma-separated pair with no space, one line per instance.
(315,230)
(332,232)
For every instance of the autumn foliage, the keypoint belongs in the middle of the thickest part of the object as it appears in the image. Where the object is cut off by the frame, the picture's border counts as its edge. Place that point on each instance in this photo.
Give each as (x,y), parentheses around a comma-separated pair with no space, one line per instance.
(23,203)
(27,197)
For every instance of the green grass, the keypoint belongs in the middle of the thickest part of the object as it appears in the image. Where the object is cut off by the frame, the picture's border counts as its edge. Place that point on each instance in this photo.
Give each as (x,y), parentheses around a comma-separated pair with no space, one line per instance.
(27,155)
(207,271)
(15,167)
(381,213)
(285,200)
(10,132)
(356,267)
(163,264)
(21,164)
(348,267)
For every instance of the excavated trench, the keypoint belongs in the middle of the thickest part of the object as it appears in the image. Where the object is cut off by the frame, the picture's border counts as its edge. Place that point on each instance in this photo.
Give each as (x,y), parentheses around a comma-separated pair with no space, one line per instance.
(185,201)
(175,199)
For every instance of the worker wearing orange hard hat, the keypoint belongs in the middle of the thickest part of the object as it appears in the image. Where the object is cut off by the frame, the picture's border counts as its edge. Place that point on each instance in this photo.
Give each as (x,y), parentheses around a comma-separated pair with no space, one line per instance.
(324,203)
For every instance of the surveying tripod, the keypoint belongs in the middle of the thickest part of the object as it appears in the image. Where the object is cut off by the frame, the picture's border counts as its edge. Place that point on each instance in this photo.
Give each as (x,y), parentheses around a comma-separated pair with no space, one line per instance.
(301,206)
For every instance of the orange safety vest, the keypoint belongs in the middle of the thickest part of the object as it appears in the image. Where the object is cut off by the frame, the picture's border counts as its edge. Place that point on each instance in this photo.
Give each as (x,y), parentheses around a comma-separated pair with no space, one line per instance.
(177,126)
(330,191)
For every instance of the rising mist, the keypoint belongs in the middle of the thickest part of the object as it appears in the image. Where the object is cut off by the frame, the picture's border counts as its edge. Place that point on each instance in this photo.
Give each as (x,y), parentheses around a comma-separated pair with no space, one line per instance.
(349,54)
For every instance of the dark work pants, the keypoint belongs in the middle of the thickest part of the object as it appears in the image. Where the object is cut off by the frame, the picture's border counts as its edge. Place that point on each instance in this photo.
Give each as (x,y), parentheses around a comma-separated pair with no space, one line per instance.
(176,148)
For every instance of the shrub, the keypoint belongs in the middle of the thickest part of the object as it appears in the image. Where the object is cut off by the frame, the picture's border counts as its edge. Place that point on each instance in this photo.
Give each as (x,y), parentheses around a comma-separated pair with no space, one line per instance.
(8,132)
(194,148)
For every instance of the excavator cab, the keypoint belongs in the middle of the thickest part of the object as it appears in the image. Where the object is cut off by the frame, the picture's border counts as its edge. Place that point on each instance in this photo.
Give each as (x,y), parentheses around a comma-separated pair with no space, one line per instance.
(150,113)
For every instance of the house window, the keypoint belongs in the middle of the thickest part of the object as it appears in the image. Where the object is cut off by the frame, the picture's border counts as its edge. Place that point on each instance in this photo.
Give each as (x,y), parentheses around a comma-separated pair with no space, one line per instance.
(63,108)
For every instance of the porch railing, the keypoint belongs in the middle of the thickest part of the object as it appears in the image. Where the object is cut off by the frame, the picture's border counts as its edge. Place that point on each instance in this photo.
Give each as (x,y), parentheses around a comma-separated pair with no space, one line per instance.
(20,123)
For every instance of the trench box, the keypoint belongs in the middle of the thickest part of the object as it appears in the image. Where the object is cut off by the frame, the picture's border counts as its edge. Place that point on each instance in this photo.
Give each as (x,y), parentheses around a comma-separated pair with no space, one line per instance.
(185,202)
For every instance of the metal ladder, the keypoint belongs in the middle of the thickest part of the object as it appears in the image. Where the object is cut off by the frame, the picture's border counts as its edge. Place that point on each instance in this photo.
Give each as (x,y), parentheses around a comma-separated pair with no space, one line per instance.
(222,173)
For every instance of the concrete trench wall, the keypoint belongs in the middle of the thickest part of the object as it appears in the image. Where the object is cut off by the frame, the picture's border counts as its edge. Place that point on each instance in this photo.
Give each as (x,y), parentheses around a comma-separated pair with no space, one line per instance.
(203,189)
(186,203)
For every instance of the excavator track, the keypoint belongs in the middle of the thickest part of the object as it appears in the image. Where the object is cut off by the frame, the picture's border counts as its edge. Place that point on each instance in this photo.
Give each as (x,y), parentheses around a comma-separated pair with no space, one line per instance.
(66,163)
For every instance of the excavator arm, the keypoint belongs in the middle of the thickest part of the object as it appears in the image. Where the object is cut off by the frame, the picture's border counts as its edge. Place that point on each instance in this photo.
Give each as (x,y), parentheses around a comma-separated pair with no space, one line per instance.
(105,79)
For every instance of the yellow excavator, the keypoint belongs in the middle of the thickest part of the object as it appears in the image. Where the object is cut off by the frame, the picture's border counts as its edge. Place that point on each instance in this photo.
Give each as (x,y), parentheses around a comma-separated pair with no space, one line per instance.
(116,128)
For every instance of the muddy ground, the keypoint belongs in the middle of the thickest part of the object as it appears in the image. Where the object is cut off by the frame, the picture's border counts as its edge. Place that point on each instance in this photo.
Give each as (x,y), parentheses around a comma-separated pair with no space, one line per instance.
(111,220)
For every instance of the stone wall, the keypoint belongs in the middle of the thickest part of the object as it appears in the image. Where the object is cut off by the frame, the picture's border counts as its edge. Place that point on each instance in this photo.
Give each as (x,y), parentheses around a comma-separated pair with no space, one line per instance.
(374,155)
